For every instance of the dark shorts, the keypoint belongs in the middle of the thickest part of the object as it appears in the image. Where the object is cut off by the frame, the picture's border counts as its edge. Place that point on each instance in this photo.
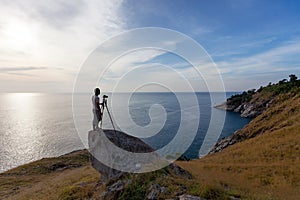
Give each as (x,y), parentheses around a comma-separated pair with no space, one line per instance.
(98,114)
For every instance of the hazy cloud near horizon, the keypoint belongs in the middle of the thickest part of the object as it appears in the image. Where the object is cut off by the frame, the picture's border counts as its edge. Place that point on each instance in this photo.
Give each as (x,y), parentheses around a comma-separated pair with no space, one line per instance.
(51,34)
(43,43)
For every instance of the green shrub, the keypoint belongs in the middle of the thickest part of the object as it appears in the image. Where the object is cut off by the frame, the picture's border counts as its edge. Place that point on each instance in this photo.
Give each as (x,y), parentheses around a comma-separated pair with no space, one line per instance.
(134,191)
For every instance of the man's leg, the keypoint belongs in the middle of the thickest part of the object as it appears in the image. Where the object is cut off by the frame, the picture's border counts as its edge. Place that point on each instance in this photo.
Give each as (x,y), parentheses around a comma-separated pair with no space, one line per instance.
(95,120)
(98,113)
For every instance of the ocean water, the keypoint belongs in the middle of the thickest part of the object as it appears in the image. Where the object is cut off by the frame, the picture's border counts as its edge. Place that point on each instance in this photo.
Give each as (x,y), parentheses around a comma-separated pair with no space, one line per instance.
(35,125)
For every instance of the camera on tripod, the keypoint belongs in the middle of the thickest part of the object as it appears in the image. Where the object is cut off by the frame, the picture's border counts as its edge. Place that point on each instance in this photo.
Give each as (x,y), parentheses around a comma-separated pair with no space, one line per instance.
(104,105)
(104,100)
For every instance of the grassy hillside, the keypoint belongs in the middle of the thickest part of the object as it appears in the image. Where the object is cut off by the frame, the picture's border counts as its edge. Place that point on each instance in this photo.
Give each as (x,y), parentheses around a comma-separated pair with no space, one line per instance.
(267,163)
(71,177)
(65,177)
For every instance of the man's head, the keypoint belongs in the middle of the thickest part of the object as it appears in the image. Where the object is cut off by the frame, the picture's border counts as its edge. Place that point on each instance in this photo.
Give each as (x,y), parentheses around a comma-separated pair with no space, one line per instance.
(97,91)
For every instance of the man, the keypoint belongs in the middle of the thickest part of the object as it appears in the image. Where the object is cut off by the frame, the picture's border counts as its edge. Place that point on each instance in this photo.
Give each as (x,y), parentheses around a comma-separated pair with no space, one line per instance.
(96,109)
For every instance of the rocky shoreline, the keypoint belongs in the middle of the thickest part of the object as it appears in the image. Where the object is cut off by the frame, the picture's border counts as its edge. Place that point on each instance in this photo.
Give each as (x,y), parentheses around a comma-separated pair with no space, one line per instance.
(227,141)
(255,104)
(247,109)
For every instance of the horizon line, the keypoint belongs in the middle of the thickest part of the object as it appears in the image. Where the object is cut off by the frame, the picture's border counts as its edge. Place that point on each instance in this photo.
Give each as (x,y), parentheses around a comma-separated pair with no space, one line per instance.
(113,92)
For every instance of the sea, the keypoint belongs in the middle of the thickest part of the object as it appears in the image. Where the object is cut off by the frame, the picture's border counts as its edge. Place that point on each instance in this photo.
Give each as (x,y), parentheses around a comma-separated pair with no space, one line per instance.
(38,125)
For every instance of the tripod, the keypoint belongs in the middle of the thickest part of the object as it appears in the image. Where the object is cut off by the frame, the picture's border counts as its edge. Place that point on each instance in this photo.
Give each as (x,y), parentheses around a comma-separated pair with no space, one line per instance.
(103,106)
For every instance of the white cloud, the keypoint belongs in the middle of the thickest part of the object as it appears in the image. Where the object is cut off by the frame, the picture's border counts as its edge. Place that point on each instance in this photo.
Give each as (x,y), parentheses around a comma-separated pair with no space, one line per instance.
(269,61)
(132,73)
(54,33)
(253,71)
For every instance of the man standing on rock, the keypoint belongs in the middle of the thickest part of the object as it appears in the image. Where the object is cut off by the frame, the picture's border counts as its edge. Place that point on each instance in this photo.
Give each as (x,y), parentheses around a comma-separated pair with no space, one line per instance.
(96,109)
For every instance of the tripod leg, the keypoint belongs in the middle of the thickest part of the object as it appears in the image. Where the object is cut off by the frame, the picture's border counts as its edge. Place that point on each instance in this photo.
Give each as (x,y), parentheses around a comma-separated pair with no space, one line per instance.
(110,119)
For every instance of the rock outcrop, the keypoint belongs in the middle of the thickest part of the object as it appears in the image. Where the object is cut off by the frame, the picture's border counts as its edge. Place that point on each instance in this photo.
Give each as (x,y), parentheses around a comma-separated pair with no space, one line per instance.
(98,147)
(189,197)
(155,190)
(119,183)
(249,104)
(251,110)
(225,106)
(226,142)
(247,110)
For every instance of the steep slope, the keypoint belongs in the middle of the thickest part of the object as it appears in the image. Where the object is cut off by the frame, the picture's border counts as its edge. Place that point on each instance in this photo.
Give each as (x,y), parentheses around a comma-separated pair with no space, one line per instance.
(265,161)
(283,112)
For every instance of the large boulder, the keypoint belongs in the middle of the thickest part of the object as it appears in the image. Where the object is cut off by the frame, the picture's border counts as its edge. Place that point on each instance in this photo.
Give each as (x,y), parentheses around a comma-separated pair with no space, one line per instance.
(102,149)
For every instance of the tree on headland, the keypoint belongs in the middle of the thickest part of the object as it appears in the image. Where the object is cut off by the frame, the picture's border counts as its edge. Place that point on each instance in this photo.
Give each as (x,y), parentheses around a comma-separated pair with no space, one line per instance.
(283,86)
(282,81)
(260,89)
(293,78)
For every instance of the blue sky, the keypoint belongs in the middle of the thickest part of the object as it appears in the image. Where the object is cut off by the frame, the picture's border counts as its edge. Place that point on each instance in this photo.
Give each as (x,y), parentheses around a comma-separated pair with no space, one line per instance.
(44,44)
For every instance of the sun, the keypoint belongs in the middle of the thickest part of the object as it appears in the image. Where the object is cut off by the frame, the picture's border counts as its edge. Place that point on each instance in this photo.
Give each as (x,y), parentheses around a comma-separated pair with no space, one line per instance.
(20,35)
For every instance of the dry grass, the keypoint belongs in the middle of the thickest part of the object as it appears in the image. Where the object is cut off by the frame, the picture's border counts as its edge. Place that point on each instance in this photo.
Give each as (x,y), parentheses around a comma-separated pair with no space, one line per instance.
(37,181)
(70,184)
(263,167)
(75,179)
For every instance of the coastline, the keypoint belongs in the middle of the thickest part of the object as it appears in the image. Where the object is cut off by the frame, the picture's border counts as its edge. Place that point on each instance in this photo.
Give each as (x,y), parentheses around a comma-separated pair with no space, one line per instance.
(262,156)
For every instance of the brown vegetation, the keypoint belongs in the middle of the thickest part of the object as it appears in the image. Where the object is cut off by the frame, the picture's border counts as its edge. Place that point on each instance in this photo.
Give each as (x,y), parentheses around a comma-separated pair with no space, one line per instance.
(65,177)
(267,164)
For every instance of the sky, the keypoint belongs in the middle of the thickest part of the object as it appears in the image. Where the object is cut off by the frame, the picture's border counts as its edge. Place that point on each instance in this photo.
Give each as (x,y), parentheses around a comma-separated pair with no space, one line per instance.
(44,44)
